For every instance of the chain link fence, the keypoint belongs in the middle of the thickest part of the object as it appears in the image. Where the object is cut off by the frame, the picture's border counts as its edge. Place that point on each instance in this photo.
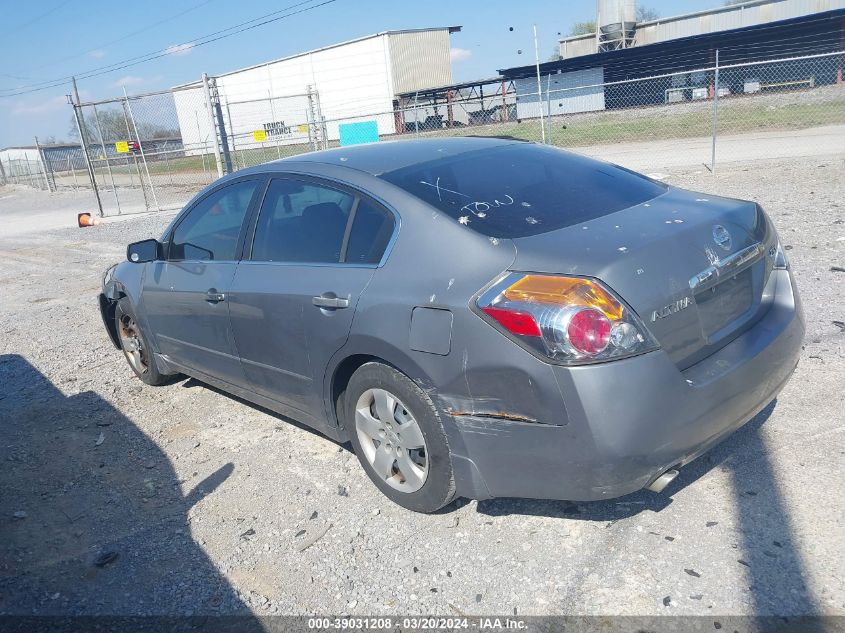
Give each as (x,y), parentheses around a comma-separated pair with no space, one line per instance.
(138,158)
(271,128)
(22,168)
(155,151)
(645,123)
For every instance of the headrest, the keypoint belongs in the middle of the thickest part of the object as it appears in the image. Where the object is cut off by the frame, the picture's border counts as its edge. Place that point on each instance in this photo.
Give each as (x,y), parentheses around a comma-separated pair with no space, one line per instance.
(323,214)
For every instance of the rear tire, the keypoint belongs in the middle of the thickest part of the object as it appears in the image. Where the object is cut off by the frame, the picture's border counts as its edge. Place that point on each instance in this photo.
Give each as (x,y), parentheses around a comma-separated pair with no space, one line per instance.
(398,437)
(135,345)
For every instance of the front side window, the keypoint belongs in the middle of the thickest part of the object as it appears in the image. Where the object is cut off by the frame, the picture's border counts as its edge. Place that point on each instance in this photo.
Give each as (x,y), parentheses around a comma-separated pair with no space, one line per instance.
(301,222)
(210,230)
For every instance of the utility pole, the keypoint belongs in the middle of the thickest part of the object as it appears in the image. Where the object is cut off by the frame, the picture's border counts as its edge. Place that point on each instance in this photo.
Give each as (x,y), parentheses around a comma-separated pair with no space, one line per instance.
(80,126)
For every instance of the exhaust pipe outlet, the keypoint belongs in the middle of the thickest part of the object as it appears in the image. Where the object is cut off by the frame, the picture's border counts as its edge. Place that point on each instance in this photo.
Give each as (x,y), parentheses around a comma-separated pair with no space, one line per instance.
(661,482)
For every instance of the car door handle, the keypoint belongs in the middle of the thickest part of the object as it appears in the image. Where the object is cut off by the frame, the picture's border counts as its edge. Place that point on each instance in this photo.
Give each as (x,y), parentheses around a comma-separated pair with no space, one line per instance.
(212,296)
(323,301)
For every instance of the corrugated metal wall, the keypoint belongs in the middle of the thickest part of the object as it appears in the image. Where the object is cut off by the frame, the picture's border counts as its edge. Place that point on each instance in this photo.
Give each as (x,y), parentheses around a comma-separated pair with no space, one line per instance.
(576,48)
(719,19)
(727,18)
(420,60)
(574,99)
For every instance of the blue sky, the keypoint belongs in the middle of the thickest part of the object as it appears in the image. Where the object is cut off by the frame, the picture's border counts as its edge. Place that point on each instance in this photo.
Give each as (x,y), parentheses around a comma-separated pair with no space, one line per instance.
(46,39)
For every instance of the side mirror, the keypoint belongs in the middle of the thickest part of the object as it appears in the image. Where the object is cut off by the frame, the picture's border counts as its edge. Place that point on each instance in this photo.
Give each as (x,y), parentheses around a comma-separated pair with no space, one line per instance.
(144,251)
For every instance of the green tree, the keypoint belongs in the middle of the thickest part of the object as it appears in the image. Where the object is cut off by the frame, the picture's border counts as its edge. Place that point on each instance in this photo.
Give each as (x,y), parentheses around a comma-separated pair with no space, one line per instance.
(555,56)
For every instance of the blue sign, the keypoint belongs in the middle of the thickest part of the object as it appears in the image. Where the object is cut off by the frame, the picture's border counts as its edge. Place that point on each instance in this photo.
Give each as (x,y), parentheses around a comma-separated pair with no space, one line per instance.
(357,133)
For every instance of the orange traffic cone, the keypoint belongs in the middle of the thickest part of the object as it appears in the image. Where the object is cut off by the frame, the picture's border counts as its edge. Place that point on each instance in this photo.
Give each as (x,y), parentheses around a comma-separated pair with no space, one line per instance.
(86,219)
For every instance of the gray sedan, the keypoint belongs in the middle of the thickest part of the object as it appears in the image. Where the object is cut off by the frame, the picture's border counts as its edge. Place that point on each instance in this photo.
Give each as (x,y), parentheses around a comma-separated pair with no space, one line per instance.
(478,317)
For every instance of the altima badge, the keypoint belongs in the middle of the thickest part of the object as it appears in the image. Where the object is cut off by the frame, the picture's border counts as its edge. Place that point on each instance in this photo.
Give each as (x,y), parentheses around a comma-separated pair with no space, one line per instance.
(722,237)
(672,308)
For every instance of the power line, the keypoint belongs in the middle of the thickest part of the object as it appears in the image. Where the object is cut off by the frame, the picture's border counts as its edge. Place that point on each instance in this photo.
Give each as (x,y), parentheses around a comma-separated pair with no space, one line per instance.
(115,41)
(200,41)
(132,61)
(37,18)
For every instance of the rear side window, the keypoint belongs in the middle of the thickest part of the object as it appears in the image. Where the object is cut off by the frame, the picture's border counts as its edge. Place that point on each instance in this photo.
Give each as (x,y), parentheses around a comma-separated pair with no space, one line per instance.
(371,231)
(301,222)
(210,230)
(517,190)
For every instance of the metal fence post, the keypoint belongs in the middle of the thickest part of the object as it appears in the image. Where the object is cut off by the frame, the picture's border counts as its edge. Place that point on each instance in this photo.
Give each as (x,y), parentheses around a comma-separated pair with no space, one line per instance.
(141,148)
(106,157)
(321,136)
(539,87)
(312,126)
(715,114)
(29,178)
(312,118)
(416,114)
(549,107)
(224,141)
(80,126)
(273,116)
(134,158)
(43,166)
(210,107)
(204,144)
(73,173)
(232,129)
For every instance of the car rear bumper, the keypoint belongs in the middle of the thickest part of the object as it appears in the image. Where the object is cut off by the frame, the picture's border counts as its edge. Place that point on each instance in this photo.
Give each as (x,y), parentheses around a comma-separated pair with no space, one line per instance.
(624,423)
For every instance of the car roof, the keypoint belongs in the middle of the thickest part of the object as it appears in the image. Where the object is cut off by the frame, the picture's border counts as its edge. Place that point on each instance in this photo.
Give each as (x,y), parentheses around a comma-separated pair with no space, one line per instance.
(384,156)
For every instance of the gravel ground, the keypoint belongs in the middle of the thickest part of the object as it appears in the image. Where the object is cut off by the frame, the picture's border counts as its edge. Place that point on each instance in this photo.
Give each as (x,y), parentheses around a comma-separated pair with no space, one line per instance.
(118,498)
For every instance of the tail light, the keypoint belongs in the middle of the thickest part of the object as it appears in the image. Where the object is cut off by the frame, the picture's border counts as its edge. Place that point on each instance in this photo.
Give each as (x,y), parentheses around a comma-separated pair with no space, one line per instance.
(571,320)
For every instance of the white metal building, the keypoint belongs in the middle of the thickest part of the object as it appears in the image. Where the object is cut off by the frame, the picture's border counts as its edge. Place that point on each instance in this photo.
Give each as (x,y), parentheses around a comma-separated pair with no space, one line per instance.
(363,75)
(18,160)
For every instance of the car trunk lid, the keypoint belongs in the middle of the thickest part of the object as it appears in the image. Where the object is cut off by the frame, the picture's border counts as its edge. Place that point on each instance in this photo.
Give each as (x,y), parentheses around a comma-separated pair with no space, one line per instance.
(692,266)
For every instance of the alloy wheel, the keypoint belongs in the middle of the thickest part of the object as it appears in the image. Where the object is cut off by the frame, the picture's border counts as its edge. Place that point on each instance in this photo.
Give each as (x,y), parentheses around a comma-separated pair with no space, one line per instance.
(132,344)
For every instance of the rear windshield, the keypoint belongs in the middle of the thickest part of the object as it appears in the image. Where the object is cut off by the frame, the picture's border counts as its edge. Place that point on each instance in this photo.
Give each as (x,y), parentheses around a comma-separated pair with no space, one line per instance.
(517,190)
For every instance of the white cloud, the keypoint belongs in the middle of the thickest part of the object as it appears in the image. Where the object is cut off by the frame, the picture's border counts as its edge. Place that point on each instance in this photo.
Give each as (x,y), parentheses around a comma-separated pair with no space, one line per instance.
(179,49)
(44,105)
(459,54)
(97,54)
(130,80)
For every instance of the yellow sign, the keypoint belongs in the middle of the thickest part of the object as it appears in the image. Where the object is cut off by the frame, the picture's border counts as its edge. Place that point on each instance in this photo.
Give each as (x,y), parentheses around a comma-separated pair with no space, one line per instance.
(122,147)
(302,128)
(259,135)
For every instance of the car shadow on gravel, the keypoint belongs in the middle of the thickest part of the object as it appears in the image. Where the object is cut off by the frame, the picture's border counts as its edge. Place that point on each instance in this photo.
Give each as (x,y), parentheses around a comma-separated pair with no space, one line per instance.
(94,521)
(192,383)
(765,546)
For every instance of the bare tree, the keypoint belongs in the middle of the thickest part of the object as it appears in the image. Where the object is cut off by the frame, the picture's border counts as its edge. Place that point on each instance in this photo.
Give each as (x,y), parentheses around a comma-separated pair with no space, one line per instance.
(583,28)
(113,126)
(646,14)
